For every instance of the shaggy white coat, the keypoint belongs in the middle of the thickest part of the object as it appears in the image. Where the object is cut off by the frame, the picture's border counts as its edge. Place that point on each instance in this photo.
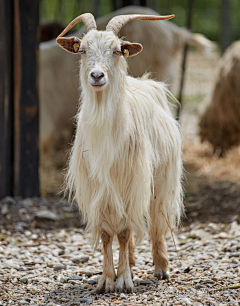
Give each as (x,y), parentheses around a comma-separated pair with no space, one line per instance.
(126,159)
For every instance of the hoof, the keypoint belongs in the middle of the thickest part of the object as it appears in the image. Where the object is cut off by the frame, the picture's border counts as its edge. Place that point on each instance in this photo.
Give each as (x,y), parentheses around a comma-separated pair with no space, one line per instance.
(124,283)
(105,284)
(162,275)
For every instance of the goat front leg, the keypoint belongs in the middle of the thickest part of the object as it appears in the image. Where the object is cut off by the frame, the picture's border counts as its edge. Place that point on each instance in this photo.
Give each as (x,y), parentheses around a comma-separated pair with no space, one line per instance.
(124,272)
(106,281)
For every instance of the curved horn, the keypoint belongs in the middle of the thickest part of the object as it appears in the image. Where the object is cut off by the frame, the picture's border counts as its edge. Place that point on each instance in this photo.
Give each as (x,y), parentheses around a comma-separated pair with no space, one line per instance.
(87,19)
(117,22)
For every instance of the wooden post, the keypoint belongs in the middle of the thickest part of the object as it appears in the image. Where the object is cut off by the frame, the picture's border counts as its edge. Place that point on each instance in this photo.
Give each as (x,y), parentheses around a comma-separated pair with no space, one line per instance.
(26,104)
(6,99)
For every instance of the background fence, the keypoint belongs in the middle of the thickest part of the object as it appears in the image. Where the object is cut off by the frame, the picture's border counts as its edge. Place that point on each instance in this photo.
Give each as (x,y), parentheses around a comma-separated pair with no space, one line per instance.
(215,19)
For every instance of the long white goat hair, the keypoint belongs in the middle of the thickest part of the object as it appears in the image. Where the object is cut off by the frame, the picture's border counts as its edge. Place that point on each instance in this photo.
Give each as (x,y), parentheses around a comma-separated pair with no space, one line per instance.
(127,153)
(125,167)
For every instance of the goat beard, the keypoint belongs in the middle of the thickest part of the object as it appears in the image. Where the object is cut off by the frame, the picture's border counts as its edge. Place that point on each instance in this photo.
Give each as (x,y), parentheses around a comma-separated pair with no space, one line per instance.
(99,96)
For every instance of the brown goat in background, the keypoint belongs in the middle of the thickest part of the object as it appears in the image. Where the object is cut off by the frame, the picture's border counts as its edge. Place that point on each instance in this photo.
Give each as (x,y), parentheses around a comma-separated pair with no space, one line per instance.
(220,122)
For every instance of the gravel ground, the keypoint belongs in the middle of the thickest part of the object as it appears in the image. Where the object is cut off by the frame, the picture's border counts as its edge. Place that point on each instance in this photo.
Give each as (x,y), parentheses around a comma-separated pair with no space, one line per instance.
(52,265)
(47,259)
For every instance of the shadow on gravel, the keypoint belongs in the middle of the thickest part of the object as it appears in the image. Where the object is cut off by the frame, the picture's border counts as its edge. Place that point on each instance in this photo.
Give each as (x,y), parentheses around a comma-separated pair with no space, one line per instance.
(208,200)
(19,214)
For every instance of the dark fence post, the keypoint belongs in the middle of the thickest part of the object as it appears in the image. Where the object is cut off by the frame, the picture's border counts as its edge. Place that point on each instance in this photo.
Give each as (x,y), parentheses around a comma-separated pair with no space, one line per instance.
(26,104)
(6,98)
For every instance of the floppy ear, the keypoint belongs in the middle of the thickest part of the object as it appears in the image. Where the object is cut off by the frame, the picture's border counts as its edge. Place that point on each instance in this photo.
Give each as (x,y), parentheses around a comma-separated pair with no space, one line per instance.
(130,49)
(71,44)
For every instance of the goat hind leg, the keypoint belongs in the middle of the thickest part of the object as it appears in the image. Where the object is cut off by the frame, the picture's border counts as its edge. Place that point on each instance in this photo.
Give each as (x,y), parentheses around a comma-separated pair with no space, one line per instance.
(124,272)
(106,281)
(131,257)
(160,257)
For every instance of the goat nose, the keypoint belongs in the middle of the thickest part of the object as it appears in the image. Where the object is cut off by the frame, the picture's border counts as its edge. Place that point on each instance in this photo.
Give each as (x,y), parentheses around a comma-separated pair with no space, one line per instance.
(97,75)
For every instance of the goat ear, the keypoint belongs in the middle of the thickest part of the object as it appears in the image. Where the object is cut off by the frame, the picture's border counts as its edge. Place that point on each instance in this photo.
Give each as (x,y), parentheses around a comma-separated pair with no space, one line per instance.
(130,49)
(71,44)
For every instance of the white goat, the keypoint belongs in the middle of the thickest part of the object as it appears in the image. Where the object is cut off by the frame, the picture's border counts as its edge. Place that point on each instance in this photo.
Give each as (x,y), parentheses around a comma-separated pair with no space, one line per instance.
(59,84)
(125,166)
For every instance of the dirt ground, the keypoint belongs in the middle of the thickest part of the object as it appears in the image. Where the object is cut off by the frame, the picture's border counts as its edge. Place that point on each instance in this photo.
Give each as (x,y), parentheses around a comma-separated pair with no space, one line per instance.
(211,183)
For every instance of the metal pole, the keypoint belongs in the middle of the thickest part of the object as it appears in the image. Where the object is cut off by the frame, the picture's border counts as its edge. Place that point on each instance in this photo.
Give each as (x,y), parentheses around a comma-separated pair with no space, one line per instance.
(184,59)
(226,29)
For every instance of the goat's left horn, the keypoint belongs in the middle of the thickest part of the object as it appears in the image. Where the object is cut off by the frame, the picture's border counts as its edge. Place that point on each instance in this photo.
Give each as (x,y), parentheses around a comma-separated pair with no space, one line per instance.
(87,19)
(117,22)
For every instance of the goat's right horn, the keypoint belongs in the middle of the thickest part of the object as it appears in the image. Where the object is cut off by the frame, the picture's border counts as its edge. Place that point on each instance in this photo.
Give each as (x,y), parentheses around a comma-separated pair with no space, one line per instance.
(87,19)
(117,22)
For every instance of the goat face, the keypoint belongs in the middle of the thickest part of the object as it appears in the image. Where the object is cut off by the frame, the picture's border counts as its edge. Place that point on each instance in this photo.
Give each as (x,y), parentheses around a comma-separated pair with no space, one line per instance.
(101,50)
(101,56)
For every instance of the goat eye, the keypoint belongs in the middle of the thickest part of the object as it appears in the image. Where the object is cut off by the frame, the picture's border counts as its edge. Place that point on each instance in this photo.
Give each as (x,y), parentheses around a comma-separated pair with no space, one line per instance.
(117,52)
(82,51)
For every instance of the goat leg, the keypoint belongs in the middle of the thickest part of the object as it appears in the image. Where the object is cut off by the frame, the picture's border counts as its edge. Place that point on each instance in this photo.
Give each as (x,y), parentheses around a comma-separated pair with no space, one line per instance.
(106,281)
(160,257)
(131,247)
(124,272)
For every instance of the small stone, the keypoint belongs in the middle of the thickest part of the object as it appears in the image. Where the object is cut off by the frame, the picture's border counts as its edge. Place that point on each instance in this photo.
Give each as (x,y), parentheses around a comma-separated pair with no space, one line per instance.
(57,291)
(76,238)
(23,302)
(187,270)
(223,235)
(92,282)
(4,210)
(46,214)
(181,288)
(197,287)
(123,296)
(145,282)
(237,254)
(58,267)
(187,301)
(88,287)
(89,273)
(8,200)
(62,279)
(199,234)
(23,279)
(85,301)
(34,237)
(82,259)
(18,228)
(208,281)
(27,233)
(75,277)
